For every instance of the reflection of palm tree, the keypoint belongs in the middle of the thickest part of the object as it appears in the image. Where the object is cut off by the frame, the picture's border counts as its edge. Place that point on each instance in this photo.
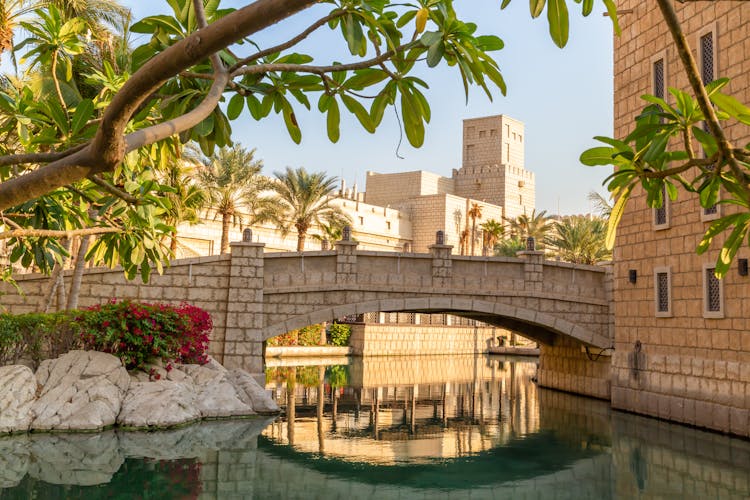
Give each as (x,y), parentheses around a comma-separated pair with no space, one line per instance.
(232,179)
(475,212)
(291,401)
(304,200)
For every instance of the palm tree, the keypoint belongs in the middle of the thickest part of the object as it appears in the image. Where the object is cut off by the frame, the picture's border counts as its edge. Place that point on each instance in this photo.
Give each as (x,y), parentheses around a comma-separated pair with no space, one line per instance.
(475,212)
(230,180)
(11,13)
(508,247)
(491,232)
(580,240)
(304,200)
(329,234)
(185,201)
(536,225)
(601,204)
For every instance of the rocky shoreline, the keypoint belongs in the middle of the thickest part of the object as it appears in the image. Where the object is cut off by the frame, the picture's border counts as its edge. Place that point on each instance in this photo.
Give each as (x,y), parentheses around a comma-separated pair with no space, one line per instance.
(89,391)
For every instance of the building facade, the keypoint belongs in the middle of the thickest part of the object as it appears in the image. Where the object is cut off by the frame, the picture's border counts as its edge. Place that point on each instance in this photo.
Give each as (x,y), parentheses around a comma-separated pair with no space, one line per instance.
(401,212)
(682,336)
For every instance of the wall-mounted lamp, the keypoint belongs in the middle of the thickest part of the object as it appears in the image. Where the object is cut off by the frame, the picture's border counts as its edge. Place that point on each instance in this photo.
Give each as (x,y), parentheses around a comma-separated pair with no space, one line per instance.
(742,266)
(440,238)
(632,275)
(530,244)
(247,235)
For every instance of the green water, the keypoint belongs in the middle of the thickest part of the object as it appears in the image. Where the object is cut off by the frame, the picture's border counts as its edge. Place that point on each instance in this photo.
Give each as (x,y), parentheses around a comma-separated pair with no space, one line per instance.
(422,427)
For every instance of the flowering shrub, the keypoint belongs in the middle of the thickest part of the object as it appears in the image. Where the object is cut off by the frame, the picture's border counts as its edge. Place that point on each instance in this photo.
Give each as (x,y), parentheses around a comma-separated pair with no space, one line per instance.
(137,332)
(306,336)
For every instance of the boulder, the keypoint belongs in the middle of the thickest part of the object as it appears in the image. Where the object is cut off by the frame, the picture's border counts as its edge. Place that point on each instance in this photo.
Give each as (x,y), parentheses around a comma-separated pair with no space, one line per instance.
(82,390)
(159,404)
(17,394)
(251,393)
(215,395)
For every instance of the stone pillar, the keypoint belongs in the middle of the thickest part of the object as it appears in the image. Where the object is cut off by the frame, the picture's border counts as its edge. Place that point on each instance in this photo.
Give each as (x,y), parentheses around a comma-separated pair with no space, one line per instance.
(346,262)
(244,331)
(533,269)
(442,265)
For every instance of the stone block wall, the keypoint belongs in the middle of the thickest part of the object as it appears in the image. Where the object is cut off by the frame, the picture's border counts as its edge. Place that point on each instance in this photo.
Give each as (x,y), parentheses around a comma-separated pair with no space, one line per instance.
(684,364)
(408,340)
(565,367)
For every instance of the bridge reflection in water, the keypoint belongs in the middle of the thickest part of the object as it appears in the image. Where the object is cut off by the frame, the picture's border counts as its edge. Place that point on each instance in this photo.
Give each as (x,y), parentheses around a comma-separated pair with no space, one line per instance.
(405,409)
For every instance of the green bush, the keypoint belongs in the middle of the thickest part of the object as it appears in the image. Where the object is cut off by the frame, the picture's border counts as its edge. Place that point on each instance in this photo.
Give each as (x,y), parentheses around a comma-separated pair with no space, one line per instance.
(340,334)
(34,337)
(310,335)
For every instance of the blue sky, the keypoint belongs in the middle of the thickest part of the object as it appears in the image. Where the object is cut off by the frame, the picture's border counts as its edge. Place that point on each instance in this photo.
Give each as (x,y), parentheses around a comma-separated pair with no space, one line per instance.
(564,96)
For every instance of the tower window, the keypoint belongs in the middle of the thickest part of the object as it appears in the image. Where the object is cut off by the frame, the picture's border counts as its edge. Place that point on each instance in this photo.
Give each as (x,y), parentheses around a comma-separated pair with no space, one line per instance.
(661,214)
(659,79)
(707,57)
(713,297)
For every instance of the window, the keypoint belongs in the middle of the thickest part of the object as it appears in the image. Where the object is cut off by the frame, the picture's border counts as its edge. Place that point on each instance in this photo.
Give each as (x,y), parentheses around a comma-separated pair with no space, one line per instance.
(659,78)
(520,199)
(388,225)
(482,133)
(713,296)
(661,215)
(507,152)
(520,138)
(361,221)
(663,292)
(493,132)
(469,152)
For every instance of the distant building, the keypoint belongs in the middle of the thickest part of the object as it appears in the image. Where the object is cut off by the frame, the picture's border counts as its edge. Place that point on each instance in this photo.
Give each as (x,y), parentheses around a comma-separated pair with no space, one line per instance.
(402,211)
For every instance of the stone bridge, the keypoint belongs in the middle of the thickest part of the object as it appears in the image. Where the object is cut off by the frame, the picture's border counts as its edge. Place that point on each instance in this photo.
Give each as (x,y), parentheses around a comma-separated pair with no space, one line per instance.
(254,296)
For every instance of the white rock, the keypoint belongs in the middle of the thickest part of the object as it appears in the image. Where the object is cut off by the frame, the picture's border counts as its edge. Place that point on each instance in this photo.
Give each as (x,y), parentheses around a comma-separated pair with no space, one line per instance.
(82,390)
(215,396)
(163,403)
(251,393)
(17,395)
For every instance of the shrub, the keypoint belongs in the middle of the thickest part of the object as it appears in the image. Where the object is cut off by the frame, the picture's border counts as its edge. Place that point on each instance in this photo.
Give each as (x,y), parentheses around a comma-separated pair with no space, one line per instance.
(31,338)
(309,335)
(137,332)
(340,334)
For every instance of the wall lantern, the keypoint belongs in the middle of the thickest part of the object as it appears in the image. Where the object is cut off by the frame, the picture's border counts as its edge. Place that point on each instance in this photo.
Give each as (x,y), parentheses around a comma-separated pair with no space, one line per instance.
(632,275)
(247,235)
(440,238)
(742,265)
(346,233)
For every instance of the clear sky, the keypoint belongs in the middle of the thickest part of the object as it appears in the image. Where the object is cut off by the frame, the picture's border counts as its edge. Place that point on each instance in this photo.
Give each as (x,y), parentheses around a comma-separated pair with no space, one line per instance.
(564,96)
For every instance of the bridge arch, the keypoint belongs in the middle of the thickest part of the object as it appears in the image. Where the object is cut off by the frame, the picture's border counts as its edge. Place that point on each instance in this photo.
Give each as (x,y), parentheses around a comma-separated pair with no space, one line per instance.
(543,327)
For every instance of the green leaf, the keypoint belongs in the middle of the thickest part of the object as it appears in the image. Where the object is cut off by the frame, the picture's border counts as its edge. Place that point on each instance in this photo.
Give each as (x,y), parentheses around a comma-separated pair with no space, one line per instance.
(364,78)
(359,111)
(536,7)
(489,43)
(612,13)
(716,227)
(291,122)
(333,121)
(708,141)
(435,54)
(557,15)
(413,125)
(256,109)
(598,156)
(504,4)
(731,245)
(234,108)
(614,218)
(588,6)
(732,106)
(83,113)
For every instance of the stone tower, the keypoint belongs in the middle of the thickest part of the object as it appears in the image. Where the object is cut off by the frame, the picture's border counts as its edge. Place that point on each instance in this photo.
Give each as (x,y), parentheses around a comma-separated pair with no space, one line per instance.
(493,165)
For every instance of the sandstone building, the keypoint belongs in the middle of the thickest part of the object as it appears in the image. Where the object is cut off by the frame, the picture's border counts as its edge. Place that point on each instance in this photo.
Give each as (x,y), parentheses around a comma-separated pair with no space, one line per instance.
(402,211)
(682,336)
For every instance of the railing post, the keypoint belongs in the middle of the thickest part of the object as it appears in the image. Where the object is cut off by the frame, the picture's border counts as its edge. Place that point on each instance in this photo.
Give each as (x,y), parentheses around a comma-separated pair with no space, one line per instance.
(243,341)
(346,258)
(442,265)
(533,267)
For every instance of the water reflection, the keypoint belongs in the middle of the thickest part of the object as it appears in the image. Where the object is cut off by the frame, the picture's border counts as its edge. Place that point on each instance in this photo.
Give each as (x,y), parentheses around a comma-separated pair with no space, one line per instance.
(430,409)
(392,428)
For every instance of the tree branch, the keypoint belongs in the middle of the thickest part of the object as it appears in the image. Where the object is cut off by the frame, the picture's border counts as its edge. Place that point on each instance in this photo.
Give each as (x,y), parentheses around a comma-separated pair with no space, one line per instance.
(114,190)
(696,162)
(291,43)
(51,233)
(39,157)
(109,146)
(321,70)
(691,69)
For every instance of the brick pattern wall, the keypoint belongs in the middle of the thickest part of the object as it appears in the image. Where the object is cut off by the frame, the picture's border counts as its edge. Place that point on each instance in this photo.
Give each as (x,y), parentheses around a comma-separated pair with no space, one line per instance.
(563,366)
(685,367)
(410,340)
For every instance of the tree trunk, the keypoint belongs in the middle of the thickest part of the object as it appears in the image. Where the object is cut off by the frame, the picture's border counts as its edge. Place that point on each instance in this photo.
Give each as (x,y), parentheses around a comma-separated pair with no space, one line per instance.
(80,265)
(301,241)
(173,244)
(225,222)
(57,282)
(473,233)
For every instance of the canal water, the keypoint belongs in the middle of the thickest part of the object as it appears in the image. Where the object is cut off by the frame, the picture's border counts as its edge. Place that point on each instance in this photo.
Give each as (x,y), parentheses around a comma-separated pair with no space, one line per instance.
(392,427)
